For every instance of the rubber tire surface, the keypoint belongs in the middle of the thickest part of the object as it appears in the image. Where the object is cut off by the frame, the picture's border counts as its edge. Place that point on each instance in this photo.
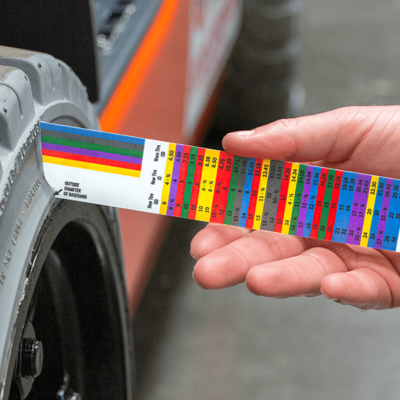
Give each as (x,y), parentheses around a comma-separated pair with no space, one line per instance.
(261,81)
(35,87)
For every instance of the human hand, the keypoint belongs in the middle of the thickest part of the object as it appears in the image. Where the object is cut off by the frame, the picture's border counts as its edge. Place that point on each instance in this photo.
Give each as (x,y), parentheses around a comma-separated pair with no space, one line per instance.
(359,139)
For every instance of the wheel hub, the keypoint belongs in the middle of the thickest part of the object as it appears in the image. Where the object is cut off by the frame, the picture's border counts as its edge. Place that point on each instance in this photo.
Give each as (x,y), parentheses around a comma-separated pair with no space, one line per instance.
(30,360)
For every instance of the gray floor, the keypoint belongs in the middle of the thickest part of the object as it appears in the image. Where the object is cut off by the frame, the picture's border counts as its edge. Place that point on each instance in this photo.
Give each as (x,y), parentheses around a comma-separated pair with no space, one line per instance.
(229,344)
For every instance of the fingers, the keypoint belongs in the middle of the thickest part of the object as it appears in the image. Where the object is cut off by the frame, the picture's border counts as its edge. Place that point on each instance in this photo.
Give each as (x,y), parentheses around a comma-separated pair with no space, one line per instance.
(330,136)
(297,276)
(214,236)
(371,283)
(392,276)
(228,265)
(362,288)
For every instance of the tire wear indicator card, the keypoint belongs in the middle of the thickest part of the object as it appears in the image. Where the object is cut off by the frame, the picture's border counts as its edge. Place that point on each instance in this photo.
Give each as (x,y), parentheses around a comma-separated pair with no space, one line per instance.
(214,186)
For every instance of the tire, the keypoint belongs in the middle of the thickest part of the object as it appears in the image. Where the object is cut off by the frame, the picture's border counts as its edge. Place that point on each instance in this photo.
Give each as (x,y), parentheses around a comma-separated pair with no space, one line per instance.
(62,288)
(273,23)
(261,83)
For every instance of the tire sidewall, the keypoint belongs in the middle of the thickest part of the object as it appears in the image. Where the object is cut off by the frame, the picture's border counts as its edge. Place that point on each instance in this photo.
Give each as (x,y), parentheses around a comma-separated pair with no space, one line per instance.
(22,224)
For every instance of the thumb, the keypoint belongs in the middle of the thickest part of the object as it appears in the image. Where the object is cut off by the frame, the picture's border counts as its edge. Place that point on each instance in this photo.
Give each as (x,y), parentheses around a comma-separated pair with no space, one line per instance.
(330,136)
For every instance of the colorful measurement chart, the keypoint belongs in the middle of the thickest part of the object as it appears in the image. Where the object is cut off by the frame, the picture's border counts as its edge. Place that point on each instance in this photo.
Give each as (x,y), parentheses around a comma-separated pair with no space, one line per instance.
(214,186)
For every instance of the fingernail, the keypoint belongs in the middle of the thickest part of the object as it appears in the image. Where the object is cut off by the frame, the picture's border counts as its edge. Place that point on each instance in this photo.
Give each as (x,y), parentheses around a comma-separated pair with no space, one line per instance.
(193,255)
(333,299)
(245,133)
(194,278)
(329,297)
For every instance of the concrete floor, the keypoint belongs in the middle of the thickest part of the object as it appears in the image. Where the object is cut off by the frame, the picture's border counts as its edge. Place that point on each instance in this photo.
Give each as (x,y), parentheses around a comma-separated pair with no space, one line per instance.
(228,344)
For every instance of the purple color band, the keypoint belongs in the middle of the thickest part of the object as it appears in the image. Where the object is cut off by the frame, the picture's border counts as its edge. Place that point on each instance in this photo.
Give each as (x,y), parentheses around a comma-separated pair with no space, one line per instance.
(358,209)
(91,153)
(304,200)
(384,212)
(174,180)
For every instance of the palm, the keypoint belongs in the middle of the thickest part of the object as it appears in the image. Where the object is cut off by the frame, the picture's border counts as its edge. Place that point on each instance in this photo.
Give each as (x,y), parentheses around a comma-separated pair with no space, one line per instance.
(355,139)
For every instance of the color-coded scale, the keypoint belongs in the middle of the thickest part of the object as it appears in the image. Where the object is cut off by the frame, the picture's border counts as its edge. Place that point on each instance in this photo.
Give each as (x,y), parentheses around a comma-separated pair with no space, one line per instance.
(214,186)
